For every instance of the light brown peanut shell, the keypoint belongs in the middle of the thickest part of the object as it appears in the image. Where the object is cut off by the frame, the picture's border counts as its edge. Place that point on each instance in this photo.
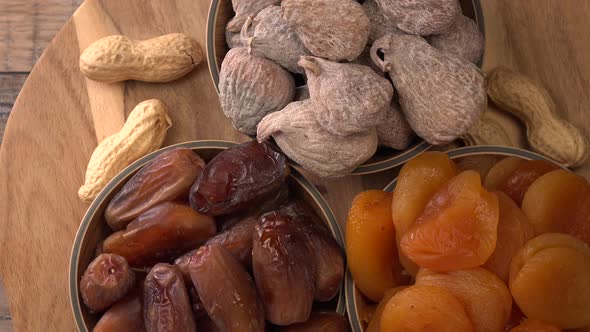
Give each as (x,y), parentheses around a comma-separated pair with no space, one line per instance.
(487,131)
(299,135)
(245,9)
(250,87)
(143,132)
(395,131)
(441,96)
(547,132)
(353,97)
(421,17)
(379,25)
(463,39)
(331,29)
(270,36)
(161,59)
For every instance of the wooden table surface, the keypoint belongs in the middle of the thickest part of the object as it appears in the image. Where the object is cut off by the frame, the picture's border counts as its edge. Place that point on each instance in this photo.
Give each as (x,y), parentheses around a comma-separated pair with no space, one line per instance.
(545,39)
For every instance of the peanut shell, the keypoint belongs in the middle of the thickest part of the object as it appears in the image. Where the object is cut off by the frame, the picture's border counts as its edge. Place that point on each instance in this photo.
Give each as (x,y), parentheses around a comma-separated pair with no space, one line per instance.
(270,36)
(442,96)
(299,135)
(353,97)
(331,29)
(487,131)
(379,25)
(421,17)
(250,87)
(245,9)
(395,131)
(463,39)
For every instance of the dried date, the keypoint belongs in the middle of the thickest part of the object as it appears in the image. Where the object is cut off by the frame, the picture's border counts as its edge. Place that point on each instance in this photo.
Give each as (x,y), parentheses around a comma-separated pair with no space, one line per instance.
(321,321)
(125,315)
(238,240)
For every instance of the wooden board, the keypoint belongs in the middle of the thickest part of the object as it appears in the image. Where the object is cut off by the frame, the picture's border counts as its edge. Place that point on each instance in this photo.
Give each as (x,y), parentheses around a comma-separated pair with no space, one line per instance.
(59,117)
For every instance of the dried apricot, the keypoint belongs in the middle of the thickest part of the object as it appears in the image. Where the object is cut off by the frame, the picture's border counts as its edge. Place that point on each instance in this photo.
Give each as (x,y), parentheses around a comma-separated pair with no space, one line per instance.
(514,230)
(549,280)
(517,183)
(418,180)
(531,325)
(370,244)
(485,297)
(375,322)
(458,228)
(498,174)
(425,308)
(559,201)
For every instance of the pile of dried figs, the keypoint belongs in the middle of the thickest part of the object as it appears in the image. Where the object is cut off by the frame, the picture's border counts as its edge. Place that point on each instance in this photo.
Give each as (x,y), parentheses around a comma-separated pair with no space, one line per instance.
(268,266)
(470,243)
(376,73)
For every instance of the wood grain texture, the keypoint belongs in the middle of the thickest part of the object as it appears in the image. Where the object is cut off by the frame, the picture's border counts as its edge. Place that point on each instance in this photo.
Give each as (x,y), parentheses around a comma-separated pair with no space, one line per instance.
(10,85)
(60,116)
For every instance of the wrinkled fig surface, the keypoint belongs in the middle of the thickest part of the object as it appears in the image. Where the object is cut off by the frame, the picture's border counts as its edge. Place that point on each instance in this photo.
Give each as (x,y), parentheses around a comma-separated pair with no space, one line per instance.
(233,39)
(270,36)
(463,39)
(226,290)
(251,87)
(421,17)
(301,93)
(331,29)
(300,136)
(169,176)
(166,305)
(379,25)
(441,96)
(238,178)
(354,97)
(365,60)
(246,8)
(283,272)
(395,131)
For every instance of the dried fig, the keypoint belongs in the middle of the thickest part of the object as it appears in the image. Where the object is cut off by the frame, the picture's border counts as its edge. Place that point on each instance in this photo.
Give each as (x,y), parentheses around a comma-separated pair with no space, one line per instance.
(169,176)
(299,135)
(238,178)
(283,272)
(160,233)
(301,93)
(321,322)
(395,131)
(380,26)
(106,280)
(421,17)
(442,96)
(463,39)
(354,97)
(326,252)
(226,290)
(270,36)
(331,29)
(166,305)
(365,60)
(251,87)
(125,315)
(233,39)
(245,9)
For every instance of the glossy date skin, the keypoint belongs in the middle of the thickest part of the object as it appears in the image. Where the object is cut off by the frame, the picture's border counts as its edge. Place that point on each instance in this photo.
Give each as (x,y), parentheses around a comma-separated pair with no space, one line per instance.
(107,279)
(168,177)
(125,315)
(321,322)
(226,290)
(166,305)
(326,252)
(239,178)
(160,234)
(238,240)
(283,272)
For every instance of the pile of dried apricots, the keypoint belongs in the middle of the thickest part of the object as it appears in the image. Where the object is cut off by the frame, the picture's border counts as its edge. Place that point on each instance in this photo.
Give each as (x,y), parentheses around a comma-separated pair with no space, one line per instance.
(464,250)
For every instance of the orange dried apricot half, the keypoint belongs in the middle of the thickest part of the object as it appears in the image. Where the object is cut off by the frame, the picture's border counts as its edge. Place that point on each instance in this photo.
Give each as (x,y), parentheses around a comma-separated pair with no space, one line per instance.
(498,174)
(458,228)
(375,323)
(370,244)
(559,201)
(424,308)
(516,185)
(531,325)
(549,278)
(418,180)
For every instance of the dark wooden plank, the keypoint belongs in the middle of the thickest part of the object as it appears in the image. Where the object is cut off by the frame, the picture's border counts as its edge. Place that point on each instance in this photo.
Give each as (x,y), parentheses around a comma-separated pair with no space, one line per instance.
(27,27)
(10,85)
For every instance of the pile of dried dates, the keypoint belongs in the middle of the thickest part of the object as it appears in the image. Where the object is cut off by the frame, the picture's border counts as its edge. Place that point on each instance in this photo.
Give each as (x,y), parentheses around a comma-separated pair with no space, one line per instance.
(224,246)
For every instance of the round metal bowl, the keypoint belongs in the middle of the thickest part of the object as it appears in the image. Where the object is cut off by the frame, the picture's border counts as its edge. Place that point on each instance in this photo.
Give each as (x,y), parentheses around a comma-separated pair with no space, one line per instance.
(93,228)
(220,12)
(356,303)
